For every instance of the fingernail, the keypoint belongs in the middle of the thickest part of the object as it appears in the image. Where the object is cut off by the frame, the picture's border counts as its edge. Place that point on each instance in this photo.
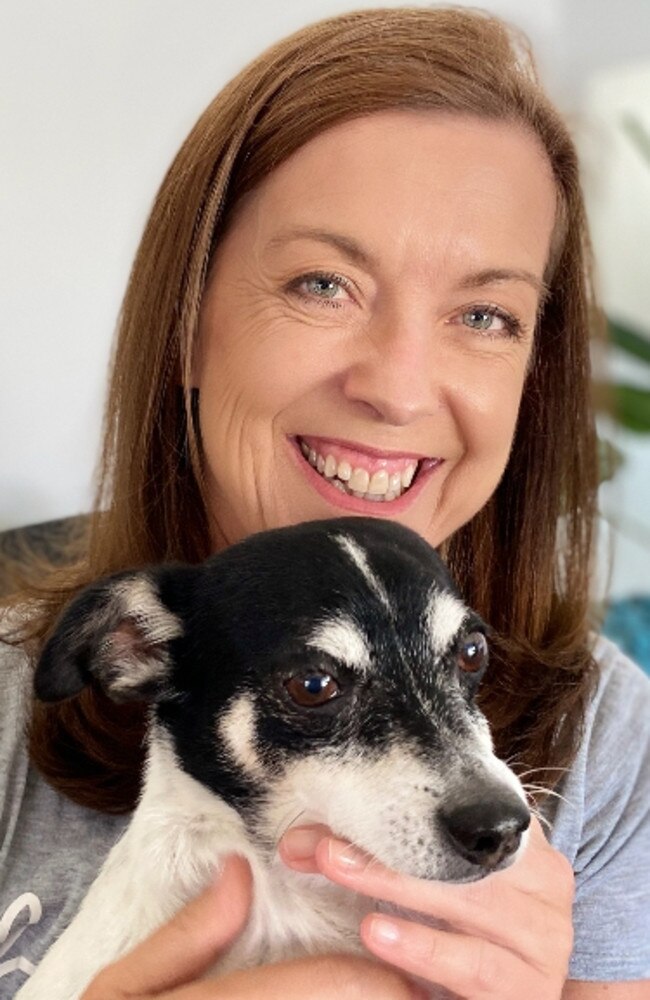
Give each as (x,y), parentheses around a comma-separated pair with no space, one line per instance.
(345,856)
(301,842)
(384,931)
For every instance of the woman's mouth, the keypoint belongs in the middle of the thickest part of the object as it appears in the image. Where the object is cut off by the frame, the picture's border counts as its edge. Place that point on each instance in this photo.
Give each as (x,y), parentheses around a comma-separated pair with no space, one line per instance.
(365,475)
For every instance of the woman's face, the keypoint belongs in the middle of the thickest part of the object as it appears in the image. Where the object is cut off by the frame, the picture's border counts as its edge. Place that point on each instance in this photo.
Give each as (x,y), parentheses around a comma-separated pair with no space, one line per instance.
(372,308)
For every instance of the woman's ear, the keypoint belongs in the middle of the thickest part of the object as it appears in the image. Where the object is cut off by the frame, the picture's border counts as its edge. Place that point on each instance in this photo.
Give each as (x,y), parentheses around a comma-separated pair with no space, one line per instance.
(116,633)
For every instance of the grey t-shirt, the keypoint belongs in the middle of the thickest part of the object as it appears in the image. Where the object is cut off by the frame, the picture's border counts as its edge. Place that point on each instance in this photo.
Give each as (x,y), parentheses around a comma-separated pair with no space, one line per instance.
(51,849)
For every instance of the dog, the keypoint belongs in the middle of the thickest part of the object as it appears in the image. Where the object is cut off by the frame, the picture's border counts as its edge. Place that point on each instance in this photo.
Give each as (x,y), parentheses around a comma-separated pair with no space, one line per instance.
(324,672)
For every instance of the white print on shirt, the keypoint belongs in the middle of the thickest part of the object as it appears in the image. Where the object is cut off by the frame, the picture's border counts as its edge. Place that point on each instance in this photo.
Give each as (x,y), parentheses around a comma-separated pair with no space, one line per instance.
(8,937)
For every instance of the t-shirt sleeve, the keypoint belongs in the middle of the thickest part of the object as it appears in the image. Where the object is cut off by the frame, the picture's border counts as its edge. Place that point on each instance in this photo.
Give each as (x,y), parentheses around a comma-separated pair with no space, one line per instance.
(603,826)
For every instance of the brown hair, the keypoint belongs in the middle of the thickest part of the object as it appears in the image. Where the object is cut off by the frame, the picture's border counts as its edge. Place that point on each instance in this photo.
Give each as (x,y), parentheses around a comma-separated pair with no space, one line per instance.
(524,561)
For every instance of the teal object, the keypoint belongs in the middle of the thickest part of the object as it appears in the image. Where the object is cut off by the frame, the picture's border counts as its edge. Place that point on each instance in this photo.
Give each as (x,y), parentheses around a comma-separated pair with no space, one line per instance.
(628,624)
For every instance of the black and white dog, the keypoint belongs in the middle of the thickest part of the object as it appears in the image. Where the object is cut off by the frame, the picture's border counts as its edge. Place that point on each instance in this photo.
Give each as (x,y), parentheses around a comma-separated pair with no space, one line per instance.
(319,673)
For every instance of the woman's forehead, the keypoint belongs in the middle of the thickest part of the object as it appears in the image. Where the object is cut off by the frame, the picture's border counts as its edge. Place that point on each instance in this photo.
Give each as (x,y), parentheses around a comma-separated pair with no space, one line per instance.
(407,190)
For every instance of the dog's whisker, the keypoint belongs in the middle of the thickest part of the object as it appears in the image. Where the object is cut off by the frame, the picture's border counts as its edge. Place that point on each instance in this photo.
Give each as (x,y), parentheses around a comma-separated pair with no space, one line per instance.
(282,829)
(527,787)
(536,770)
(544,820)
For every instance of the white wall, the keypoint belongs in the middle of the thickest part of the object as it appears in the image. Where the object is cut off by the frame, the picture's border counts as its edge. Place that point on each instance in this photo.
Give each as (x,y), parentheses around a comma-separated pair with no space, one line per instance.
(96,98)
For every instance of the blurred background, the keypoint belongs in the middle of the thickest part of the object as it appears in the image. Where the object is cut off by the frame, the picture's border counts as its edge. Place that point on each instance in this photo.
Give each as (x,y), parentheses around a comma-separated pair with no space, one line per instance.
(96,99)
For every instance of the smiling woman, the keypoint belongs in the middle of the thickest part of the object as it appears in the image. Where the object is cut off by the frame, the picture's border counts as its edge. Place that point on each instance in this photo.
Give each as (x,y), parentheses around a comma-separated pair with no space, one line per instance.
(409,329)
(364,288)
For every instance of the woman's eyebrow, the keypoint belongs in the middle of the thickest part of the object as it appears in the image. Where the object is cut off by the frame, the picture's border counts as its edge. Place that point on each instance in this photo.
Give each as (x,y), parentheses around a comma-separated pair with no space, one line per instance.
(495,275)
(356,253)
(345,244)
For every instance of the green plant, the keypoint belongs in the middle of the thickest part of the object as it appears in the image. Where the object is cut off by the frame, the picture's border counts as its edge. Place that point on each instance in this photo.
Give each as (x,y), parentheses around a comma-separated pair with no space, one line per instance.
(631,403)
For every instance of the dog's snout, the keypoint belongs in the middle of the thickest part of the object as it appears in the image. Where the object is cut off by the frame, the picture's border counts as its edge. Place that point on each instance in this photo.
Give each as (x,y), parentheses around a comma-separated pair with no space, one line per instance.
(488,831)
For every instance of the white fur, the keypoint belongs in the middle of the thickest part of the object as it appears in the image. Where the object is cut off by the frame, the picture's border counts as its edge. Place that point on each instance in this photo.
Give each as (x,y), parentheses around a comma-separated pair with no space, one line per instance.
(360,560)
(171,850)
(141,602)
(131,666)
(445,615)
(237,730)
(342,639)
(180,831)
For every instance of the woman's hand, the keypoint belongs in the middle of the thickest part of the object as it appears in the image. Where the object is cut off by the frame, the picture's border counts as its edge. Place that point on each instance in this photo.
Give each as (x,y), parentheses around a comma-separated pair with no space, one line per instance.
(169,964)
(511,933)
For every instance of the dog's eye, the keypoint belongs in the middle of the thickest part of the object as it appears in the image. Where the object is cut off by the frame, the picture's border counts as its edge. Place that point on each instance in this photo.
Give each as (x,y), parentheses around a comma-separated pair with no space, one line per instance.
(473,653)
(312,689)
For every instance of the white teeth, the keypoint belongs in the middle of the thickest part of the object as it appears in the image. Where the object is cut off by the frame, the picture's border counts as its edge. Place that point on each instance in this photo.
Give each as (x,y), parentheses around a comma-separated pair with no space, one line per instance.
(378,482)
(345,471)
(359,481)
(407,475)
(381,486)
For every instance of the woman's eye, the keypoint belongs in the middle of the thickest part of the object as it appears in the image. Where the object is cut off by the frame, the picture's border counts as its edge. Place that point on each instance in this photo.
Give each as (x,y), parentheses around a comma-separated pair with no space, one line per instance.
(492,319)
(311,690)
(473,653)
(328,289)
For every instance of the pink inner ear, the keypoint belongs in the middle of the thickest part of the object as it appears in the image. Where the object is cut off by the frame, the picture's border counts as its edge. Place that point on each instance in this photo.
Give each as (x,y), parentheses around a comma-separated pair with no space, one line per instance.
(127,642)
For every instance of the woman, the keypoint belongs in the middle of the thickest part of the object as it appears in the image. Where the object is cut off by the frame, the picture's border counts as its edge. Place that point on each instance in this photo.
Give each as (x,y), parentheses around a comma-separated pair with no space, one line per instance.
(366,275)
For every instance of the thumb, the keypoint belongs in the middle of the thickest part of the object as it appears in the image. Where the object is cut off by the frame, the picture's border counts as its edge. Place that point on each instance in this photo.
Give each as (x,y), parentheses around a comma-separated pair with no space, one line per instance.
(186,946)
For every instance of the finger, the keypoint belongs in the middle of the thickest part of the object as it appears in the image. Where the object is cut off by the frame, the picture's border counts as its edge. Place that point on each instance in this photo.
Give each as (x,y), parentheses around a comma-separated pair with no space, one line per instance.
(297,847)
(345,977)
(464,965)
(538,905)
(185,947)
(536,832)
(538,850)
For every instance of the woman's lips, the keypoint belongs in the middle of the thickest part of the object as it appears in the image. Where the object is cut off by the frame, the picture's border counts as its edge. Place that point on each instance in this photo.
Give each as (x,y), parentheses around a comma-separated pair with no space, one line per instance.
(363,480)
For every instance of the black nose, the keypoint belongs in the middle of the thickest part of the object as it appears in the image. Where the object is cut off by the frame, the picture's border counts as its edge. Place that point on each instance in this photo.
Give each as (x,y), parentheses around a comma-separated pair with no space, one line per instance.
(486,832)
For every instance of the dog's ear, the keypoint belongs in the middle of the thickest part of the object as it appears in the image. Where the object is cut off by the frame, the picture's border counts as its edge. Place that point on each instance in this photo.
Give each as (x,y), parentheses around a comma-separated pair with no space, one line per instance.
(117,633)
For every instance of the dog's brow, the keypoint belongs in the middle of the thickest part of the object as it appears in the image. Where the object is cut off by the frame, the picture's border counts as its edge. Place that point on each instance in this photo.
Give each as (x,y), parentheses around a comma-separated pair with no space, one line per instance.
(444,616)
(360,560)
(343,640)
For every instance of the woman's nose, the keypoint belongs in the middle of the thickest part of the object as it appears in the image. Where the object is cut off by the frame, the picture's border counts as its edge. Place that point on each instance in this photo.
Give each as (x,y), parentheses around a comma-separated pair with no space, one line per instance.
(394,371)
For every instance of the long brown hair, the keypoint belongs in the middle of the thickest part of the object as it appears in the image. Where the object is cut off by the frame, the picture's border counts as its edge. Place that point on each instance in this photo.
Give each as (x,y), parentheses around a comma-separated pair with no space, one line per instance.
(525,560)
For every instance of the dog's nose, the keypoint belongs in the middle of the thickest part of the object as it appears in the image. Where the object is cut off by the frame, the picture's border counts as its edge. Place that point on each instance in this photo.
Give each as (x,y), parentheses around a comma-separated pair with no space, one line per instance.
(486,832)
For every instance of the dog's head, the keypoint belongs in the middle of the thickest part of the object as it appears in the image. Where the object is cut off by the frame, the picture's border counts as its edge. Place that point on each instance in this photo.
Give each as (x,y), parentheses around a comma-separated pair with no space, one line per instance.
(325,672)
